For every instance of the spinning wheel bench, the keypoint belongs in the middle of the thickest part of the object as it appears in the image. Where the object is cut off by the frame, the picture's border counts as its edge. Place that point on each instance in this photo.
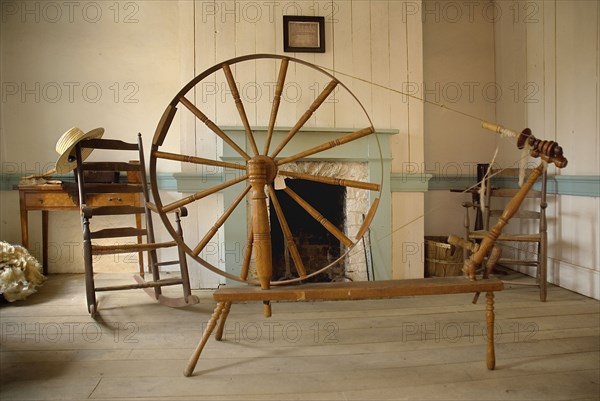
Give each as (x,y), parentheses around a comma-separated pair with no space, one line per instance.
(347,291)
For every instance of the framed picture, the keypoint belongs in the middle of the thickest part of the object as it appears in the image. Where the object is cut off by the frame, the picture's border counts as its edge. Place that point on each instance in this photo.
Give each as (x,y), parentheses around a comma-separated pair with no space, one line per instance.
(303,34)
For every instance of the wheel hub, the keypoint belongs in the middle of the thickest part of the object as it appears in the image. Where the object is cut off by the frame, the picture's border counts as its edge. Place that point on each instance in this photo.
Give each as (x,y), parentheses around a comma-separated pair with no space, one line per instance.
(262,167)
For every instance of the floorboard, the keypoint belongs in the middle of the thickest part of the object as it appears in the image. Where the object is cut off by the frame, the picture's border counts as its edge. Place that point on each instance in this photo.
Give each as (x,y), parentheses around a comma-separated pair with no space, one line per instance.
(413,348)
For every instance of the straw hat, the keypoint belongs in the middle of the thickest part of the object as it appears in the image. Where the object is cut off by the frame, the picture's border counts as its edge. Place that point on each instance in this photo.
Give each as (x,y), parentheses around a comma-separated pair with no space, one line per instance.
(65,147)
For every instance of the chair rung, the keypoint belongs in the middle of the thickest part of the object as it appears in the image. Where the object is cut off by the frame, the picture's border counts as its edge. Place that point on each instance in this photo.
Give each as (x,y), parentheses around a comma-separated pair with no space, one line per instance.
(129,248)
(507,237)
(173,262)
(147,284)
(517,262)
(118,232)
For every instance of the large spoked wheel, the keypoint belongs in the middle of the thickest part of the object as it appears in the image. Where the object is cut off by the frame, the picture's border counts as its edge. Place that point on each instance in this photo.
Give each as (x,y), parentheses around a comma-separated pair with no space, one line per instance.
(265,162)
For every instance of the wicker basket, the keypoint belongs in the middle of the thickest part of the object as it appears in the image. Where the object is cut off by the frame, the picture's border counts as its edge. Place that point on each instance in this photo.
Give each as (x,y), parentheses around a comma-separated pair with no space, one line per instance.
(441,258)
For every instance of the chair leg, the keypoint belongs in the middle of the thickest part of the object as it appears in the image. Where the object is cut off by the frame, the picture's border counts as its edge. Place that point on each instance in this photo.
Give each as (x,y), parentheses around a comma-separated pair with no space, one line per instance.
(185,277)
(90,288)
(543,270)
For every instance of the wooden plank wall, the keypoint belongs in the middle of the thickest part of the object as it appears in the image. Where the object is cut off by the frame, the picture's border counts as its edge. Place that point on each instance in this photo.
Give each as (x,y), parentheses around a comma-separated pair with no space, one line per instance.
(558,63)
(366,41)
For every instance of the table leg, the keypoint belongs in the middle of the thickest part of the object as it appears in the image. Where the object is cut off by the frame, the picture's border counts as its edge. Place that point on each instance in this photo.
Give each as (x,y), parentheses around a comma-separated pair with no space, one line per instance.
(45,241)
(24,228)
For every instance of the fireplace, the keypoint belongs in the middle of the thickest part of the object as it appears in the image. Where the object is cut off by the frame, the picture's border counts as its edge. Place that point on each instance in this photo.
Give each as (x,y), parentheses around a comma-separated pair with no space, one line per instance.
(317,246)
(345,207)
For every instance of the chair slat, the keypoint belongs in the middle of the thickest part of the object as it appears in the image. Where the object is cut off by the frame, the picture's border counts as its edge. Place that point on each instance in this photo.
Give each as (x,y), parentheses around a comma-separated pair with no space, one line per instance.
(521,214)
(115,210)
(108,188)
(110,166)
(510,192)
(118,232)
(535,237)
(111,144)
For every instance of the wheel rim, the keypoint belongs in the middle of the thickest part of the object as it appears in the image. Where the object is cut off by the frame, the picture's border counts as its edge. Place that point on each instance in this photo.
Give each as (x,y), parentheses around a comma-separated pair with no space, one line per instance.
(261,166)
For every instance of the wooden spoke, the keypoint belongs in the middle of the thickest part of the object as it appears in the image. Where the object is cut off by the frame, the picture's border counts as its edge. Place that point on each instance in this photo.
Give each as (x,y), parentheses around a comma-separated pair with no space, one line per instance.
(276,101)
(328,145)
(213,230)
(368,219)
(287,233)
(213,127)
(247,256)
(317,216)
(333,181)
(199,195)
(197,160)
(240,107)
(307,114)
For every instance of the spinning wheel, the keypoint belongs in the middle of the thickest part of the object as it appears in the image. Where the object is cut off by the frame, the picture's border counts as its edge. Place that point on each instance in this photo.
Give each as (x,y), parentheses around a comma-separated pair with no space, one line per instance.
(262,161)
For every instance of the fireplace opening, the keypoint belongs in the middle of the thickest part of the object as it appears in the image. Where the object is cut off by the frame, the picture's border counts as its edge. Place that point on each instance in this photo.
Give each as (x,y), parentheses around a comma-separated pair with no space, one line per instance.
(317,246)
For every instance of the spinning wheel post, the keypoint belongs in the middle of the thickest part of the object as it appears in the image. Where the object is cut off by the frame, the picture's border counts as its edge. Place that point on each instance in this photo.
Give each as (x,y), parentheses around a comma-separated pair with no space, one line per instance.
(261,172)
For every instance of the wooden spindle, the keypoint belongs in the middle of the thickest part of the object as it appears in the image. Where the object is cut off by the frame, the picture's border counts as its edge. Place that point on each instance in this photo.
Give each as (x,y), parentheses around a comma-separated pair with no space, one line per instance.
(328,145)
(240,107)
(276,101)
(213,127)
(199,195)
(319,217)
(287,233)
(307,114)
(196,160)
(220,221)
(371,186)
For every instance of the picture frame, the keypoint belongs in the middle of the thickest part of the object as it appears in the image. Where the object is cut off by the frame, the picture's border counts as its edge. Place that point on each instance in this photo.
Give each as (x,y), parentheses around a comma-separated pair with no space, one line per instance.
(303,34)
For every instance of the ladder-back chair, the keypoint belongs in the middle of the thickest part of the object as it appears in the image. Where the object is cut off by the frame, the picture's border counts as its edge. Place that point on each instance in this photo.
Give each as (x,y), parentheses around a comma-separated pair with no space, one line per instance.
(126,196)
(524,242)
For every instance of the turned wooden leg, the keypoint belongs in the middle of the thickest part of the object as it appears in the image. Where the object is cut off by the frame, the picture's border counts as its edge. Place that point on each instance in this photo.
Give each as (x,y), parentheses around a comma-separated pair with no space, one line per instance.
(489,317)
(45,241)
(224,314)
(189,369)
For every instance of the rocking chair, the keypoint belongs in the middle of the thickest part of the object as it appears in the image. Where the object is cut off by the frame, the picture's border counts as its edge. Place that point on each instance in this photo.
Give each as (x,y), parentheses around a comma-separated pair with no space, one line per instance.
(100,183)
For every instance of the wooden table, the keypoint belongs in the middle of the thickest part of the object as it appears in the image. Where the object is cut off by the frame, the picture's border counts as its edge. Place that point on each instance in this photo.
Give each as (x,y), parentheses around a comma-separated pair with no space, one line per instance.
(62,196)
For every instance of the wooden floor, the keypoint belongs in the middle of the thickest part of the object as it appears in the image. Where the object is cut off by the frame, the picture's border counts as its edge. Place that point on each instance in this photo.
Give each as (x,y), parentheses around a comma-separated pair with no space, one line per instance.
(418,348)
